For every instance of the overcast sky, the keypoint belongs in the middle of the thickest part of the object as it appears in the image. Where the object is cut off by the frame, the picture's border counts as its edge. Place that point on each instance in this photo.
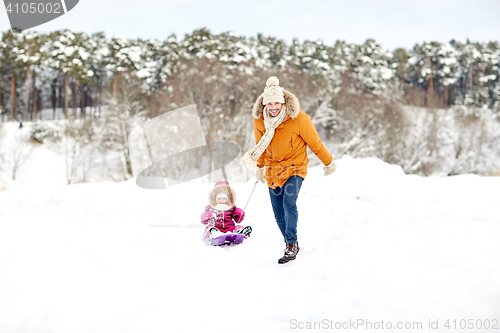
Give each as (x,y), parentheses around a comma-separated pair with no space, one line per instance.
(392,23)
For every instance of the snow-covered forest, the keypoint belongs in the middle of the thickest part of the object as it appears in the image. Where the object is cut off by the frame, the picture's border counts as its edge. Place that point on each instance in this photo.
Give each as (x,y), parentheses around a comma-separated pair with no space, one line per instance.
(432,110)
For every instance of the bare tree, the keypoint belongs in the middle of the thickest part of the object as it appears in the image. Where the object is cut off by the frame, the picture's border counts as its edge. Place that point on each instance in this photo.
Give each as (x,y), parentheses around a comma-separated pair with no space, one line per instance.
(475,145)
(19,152)
(1,136)
(79,145)
(125,112)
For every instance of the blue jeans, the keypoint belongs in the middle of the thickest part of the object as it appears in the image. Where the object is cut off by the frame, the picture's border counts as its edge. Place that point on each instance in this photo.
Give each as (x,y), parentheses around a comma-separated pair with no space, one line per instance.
(283,200)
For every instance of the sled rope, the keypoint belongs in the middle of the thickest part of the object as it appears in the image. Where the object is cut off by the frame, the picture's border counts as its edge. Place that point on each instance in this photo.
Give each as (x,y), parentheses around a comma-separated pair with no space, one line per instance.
(248,199)
(250,195)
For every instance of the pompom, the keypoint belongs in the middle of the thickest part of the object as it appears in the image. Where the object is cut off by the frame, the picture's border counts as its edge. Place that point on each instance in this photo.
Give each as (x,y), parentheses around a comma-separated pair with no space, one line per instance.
(272,81)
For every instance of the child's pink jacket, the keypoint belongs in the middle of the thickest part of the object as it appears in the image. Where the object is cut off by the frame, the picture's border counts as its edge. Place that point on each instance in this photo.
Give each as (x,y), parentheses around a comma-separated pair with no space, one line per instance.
(222,220)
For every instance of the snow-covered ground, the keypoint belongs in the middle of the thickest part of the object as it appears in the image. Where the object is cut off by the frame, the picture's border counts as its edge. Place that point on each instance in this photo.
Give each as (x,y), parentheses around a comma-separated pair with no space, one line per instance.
(376,245)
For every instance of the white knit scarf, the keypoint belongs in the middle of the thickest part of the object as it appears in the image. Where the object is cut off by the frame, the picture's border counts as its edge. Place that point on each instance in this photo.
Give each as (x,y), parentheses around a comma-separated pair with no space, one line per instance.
(270,123)
(221,207)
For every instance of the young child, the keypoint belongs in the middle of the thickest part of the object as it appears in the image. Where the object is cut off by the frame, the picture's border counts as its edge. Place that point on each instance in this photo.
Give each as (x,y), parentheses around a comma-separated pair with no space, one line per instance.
(221,215)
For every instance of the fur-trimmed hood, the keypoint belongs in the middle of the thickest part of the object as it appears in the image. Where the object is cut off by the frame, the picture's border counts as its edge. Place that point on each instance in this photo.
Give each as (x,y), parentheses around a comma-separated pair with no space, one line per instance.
(219,189)
(291,104)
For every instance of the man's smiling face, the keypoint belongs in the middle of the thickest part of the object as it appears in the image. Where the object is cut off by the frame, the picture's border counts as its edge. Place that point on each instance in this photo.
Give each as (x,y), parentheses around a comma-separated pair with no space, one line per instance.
(274,108)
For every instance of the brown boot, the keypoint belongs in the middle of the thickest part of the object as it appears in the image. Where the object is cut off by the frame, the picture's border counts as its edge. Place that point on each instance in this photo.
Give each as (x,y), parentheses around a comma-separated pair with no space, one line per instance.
(290,253)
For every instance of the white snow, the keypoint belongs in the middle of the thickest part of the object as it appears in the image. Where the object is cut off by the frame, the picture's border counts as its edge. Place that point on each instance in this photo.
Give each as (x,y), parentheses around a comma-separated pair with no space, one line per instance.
(376,244)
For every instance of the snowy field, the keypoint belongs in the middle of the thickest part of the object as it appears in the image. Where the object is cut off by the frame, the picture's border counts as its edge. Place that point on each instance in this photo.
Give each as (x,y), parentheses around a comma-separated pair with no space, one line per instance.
(376,245)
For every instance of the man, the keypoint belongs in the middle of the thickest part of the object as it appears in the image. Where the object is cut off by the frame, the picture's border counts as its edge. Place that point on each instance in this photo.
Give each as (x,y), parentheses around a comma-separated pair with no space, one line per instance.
(282,133)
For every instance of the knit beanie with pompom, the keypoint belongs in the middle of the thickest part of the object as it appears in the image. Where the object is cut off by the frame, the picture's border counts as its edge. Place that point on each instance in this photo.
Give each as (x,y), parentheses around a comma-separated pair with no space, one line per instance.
(273,92)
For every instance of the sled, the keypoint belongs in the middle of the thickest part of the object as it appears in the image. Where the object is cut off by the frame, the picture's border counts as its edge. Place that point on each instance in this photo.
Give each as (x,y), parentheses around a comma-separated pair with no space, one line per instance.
(228,238)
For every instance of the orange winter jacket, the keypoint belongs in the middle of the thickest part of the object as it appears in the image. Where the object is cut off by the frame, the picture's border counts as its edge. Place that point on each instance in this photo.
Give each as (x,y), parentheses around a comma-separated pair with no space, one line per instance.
(286,154)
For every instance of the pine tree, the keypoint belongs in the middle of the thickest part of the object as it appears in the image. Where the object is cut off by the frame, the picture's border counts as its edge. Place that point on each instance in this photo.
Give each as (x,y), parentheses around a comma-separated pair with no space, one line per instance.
(11,47)
(69,54)
(29,56)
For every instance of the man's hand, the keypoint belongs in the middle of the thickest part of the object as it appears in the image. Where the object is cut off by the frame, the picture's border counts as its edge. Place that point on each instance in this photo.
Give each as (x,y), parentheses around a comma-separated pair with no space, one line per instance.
(330,168)
(260,174)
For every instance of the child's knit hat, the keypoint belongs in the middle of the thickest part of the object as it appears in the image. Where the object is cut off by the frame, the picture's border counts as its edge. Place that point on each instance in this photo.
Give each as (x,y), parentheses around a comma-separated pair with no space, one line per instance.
(221,195)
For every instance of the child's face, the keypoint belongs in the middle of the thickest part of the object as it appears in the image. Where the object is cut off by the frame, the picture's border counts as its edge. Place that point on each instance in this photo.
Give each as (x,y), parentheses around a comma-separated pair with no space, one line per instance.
(221,200)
